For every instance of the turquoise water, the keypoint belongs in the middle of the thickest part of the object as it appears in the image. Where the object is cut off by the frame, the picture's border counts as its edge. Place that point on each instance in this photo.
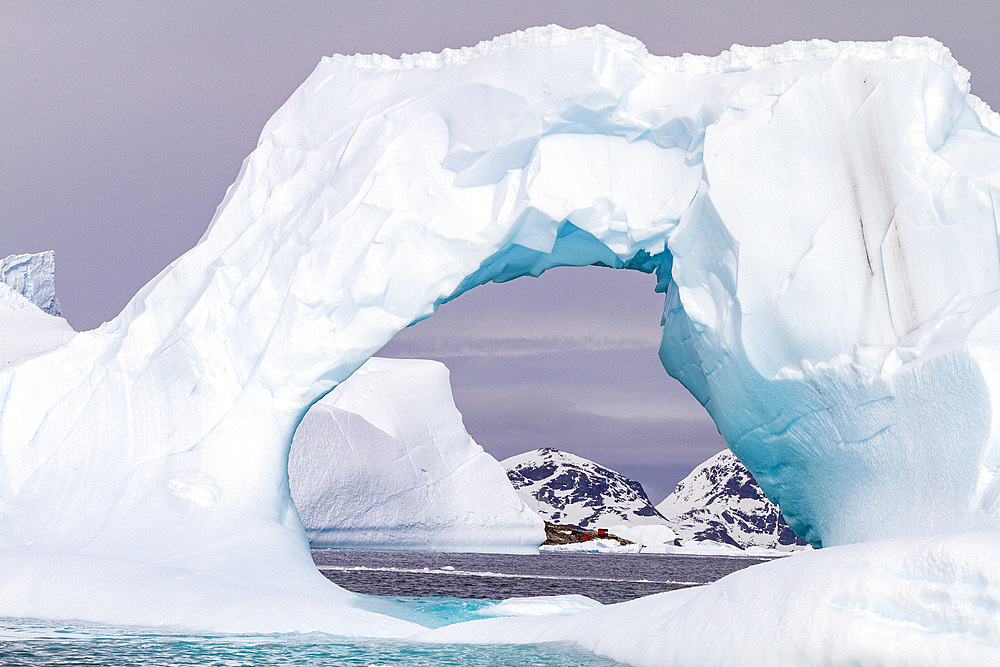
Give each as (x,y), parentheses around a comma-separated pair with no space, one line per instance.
(26,642)
(430,589)
(431,612)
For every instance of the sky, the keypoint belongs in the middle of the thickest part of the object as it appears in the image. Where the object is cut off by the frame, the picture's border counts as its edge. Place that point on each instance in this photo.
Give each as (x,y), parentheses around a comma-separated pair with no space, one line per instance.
(123,123)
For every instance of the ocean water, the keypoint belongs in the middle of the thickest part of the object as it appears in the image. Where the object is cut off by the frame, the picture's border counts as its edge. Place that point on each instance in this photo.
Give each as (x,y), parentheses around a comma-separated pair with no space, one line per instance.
(34,643)
(429,588)
(606,578)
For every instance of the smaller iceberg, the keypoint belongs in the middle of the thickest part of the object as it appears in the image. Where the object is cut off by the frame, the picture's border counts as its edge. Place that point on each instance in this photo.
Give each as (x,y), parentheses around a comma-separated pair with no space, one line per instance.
(384,462)
(33,276)
(29,309)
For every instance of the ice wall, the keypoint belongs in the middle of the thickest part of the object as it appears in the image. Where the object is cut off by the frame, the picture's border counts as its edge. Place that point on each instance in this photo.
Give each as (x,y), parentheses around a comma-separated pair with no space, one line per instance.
(384,462)
(29,309)
(33,276)
(821,217)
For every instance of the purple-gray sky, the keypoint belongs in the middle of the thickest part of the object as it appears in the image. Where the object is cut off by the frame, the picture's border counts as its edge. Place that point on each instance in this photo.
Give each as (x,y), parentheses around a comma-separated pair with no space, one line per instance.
(122,124)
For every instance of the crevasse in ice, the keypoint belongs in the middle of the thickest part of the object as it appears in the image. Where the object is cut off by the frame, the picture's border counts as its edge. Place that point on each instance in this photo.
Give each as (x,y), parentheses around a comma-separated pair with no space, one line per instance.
(820,216)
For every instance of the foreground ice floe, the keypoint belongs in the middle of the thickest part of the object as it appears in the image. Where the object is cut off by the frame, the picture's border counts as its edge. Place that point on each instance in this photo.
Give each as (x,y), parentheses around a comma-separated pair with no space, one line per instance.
(822,218)
(908,601)
(384,462)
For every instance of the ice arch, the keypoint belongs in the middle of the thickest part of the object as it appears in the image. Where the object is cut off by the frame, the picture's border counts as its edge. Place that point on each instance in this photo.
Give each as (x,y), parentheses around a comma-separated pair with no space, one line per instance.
(821,217)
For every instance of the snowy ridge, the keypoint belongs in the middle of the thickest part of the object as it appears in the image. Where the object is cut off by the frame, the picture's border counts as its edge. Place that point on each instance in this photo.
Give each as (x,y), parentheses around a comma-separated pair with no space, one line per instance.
(719,501)
(570,490)
(384,462)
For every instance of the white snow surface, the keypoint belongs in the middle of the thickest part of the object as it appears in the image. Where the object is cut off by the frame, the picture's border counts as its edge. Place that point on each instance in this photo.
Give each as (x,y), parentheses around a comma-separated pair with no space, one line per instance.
(384,462)
(596,546)
(542,605)
(821,216)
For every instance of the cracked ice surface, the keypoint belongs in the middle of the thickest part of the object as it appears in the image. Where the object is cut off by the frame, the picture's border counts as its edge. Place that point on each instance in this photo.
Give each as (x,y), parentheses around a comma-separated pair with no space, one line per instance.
(821,217)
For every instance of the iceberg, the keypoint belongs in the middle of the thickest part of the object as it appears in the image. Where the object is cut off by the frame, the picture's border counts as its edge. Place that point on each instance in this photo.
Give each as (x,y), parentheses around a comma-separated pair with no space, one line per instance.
(384,462)
(33,276)
(821,218)
(29,309)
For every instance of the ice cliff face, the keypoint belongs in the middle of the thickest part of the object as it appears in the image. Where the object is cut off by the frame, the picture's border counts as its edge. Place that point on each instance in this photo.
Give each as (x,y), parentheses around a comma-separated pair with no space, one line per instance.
(720,502)
(29,309)
(384,462)
(33,276)
(821,217)
(570,490)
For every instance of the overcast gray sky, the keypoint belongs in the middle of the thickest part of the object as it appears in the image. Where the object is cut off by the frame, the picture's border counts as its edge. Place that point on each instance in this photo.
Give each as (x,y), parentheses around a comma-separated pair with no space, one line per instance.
(123,123)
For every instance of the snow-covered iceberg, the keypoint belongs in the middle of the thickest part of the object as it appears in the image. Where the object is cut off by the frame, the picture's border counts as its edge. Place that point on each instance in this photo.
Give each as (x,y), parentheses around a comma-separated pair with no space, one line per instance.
(821,217)
(384,462)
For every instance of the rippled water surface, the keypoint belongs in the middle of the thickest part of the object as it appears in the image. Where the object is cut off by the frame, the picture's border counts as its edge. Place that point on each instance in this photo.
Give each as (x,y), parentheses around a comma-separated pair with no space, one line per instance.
(122,648)
(604,577)
(429,588)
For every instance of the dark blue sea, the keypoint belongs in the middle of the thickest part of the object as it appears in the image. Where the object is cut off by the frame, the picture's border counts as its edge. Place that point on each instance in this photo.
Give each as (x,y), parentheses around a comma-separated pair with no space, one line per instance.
(430,588)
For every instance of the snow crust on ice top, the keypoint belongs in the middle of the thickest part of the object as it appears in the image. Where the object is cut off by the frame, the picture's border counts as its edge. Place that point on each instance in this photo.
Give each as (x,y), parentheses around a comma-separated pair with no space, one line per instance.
(821,218)
(384,462)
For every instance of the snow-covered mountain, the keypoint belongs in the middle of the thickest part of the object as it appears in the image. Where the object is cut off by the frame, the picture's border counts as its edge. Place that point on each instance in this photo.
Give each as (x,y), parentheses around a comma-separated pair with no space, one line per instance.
(383,461)
(720,502)
(570,490)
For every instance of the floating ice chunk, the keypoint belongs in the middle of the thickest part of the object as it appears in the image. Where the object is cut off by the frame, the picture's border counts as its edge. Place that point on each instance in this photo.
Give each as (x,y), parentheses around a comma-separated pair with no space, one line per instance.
(652,538)
(543,605)
(595,546)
